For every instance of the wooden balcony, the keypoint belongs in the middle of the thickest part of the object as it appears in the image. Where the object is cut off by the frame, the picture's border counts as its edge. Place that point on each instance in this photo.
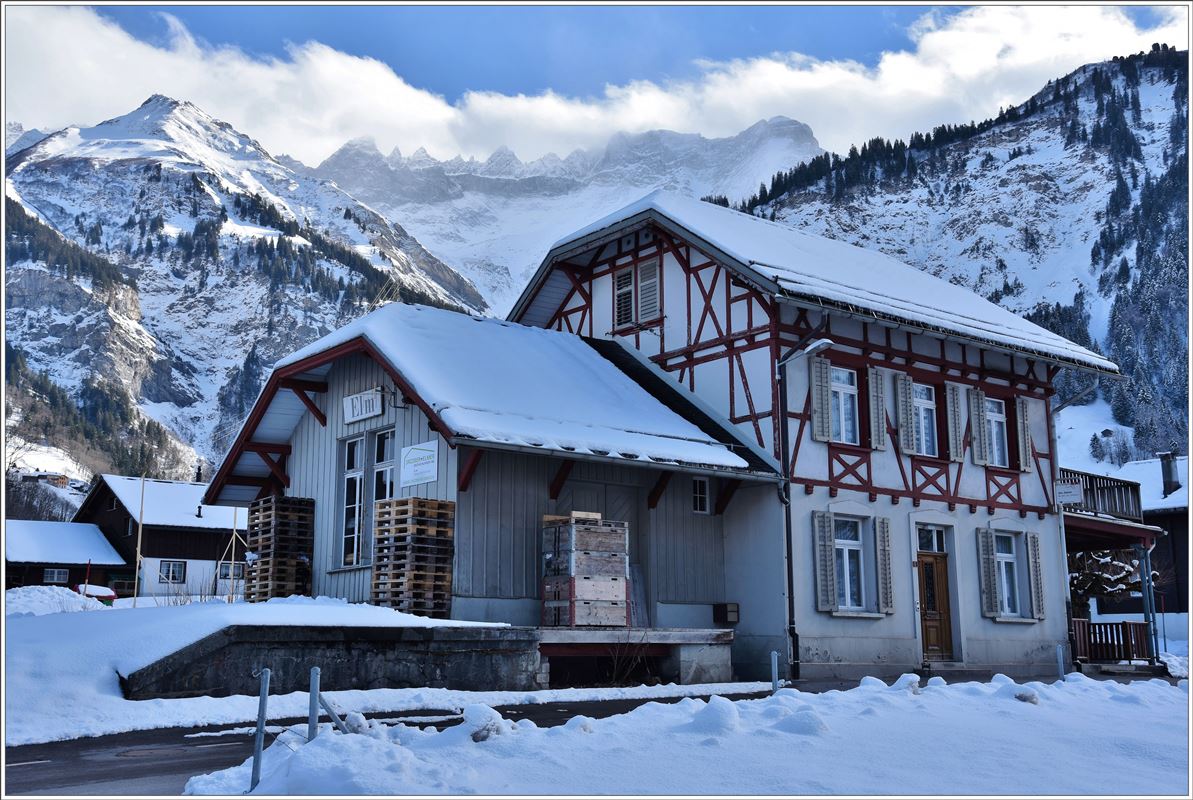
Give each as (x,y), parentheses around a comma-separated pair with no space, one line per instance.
(1103,495)
(1111,642)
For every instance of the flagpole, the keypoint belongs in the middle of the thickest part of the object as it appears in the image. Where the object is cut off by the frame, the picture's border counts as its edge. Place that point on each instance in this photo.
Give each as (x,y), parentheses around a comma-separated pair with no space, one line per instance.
(140,527)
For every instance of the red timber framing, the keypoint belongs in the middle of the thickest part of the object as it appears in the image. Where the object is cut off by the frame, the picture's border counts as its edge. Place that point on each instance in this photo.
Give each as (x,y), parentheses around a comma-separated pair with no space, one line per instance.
(727,319)
(300,389)
(287,374)
(468,469)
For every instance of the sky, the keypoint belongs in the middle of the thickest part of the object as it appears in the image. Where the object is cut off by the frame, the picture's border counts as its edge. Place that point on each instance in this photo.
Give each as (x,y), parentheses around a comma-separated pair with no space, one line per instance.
(467,80)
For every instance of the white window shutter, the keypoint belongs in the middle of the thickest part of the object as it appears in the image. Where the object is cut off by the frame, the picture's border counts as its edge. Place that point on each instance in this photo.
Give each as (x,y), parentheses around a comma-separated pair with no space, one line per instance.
(826,570)
(987,573)
(978,431)
(952,394)
(905,400)
(877,387)
(648,290)
(822,426)
(1024,429)
(886,587)
(1036,575)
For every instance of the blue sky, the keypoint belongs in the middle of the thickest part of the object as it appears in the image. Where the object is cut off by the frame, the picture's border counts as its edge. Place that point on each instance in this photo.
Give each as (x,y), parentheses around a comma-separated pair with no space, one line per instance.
(467,80)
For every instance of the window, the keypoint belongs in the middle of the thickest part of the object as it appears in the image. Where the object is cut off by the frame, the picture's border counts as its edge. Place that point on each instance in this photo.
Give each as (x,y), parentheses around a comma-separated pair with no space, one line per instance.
(996,432)
(55,575)
(384,479)
(924,409)
(847,544)
(171,572)
(353,501)
(844,406)
(700,495)
(230,571)
(1008,587)
(648,290)
(931,538)
(623,298)
(112,503)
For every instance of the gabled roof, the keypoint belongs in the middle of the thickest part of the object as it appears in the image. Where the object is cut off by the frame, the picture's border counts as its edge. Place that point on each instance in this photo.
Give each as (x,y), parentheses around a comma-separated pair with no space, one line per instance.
(820,271)
(167,503)
(1148,475)
(483,381)
(36,542)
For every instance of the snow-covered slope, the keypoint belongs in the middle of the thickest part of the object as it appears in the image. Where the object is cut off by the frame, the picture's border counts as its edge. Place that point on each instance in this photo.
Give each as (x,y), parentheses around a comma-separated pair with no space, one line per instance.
(17,138)
(494,219)
(218,257)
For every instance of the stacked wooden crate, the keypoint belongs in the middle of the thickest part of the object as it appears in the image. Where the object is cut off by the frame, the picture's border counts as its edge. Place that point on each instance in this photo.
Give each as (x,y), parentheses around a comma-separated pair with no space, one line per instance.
(280,538)
(413,551)
(585,571)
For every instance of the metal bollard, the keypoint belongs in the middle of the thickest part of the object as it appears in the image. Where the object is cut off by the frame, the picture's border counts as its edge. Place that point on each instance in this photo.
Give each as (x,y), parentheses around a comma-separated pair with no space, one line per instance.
(774,671)
(1060,661)
(259,739)
(313,712)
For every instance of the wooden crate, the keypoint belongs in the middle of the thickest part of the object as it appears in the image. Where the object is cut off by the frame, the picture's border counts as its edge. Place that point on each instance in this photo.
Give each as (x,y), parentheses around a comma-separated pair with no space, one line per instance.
(574,516)
(585,613)
(602,537)
(585,587)
(586,562)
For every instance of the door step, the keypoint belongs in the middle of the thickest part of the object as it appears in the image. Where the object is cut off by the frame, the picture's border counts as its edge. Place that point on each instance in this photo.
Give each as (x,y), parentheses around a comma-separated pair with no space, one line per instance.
(1141,670)
(953,672)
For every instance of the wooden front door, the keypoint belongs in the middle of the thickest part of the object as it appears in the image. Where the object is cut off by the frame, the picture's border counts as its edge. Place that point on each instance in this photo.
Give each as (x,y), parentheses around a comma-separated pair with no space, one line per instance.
(935,622)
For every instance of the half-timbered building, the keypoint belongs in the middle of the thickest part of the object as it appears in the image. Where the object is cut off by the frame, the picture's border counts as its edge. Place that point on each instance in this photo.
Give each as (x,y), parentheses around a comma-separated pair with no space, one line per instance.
(910,418)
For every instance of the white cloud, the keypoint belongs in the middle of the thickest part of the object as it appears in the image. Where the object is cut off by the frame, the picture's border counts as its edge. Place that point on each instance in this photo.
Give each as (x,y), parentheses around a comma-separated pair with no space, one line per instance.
(68,65)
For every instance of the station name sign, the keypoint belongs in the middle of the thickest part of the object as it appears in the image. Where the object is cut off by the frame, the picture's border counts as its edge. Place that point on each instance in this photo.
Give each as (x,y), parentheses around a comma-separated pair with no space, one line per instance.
(362,406)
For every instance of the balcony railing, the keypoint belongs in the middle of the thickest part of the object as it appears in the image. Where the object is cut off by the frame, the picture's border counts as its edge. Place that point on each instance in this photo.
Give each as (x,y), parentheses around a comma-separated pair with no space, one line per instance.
(1102,495)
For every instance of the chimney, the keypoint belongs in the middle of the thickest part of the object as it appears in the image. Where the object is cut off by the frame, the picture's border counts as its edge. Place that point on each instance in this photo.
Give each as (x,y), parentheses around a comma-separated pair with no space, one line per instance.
(1172,480)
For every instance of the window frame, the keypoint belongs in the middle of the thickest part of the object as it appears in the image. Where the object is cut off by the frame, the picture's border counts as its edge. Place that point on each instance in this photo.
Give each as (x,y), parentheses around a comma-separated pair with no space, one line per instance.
(345,475)
(631,288)
(701,500)
(1004,418)
(938,533)
(46,579)
(841,564)
(388,465)
(924,411)
(1007,569)
(838,392)
(163,576)
(237,572)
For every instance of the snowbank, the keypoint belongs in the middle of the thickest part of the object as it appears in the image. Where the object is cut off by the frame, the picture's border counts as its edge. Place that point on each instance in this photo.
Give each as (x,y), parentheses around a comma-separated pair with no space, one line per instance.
(1002,738)
(40,600)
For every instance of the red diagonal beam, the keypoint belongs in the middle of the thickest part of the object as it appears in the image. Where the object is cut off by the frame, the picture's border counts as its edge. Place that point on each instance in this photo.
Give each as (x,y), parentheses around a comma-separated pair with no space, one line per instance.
(314,409)
(469,469)
(660,486)
(728,489)
(561,476)
(282,477)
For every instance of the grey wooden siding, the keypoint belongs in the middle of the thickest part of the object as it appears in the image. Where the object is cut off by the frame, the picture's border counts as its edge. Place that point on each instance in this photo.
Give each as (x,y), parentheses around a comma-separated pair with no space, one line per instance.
(314,468)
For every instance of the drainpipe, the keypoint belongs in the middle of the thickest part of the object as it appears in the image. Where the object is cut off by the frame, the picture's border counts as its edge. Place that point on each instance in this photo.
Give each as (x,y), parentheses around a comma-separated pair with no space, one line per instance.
(1054,470)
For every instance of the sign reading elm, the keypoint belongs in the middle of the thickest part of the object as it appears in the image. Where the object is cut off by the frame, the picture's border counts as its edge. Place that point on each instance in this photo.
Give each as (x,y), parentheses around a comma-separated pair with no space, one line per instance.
(362,406)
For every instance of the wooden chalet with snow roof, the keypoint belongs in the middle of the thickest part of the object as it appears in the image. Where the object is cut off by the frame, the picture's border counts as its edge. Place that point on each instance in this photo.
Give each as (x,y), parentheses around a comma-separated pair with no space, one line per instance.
(910,416)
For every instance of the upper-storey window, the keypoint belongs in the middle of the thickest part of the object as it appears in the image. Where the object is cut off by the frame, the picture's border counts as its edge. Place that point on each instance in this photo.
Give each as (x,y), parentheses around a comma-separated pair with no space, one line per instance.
(996,432)
(636,294)
(924,408)
(844,406)
(623,300)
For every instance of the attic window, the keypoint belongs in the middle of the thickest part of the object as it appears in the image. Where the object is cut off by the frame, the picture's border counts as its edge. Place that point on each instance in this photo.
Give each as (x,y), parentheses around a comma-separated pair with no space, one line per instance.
(623,302)
(700,495)
(112,503)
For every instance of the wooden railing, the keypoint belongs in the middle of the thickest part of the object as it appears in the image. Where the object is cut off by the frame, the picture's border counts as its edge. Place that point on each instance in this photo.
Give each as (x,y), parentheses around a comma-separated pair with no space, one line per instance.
(1102,495)
(1111,641)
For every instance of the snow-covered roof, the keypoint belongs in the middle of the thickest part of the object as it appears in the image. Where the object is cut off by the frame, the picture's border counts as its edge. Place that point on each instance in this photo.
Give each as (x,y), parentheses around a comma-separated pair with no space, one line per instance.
(506,383)
(171,503)
(38,542)
(1151,483)
(825,270)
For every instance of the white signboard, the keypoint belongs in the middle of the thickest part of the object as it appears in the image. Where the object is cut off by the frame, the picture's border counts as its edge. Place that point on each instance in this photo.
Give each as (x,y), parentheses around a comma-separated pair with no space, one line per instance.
(420,463)
(1068,493)
(362,406)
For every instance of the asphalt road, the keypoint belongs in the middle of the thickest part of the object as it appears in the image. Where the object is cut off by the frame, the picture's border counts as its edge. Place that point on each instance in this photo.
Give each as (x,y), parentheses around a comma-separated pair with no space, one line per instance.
(158,762)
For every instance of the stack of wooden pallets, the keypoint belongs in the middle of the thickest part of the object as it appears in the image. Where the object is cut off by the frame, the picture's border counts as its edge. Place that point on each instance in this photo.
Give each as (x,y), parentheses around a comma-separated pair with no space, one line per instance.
(413,550)
(280,537)
(585,571)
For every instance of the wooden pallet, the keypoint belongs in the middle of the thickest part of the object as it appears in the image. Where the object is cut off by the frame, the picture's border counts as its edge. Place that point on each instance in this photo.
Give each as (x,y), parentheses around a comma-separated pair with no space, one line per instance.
(574,516)
(584,614)
(585,587)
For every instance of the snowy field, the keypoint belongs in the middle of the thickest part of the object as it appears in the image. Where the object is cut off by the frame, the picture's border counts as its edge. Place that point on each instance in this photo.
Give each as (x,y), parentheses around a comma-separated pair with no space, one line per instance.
(1079,737)
(57,661)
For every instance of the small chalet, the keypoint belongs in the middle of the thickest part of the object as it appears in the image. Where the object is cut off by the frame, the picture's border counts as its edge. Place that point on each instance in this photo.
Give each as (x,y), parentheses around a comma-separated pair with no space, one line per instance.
(186,547)
(67,554)
(819,451)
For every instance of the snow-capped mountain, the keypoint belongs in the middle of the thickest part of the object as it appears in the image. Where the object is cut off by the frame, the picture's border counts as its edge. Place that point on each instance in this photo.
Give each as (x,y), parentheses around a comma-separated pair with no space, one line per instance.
(17,138)
(1070,208)
(494,219)
(208,259)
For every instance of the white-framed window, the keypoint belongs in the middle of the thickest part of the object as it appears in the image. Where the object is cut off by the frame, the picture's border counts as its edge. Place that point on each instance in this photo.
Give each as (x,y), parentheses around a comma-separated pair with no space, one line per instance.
(923,399)
(623,298)
(700,496)
(931,538)
(850,558)
(353,485)
(996,432)
(384,470)
(55,575)
(843,385)
(171,572)
(230,571)
(1007,563)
